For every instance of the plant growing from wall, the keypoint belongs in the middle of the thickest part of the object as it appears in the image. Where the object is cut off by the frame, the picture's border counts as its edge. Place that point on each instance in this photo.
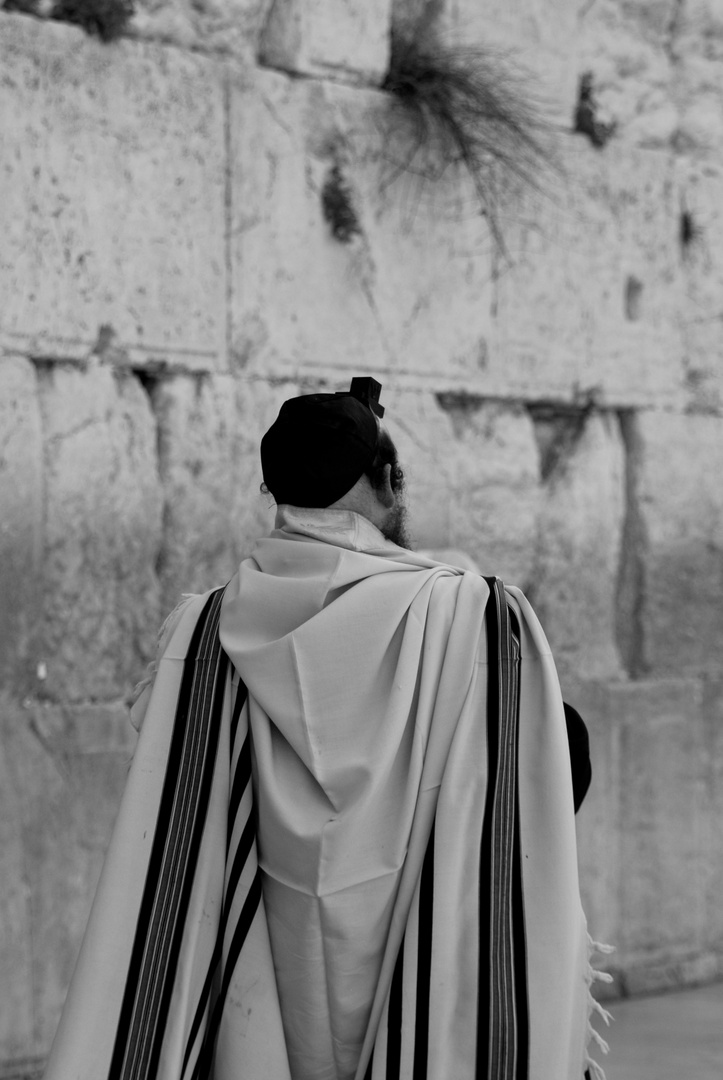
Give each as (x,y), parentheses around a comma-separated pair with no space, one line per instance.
(690,230)
(338,206)
(106,19)
(587,121)
(26,7)
(466,111)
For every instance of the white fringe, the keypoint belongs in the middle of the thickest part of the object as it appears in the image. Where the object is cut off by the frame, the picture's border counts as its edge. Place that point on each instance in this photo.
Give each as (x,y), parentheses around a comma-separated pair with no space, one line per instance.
(593,975)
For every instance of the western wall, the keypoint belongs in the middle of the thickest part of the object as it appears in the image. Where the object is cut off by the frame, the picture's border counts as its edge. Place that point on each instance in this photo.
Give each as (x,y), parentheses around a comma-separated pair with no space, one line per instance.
(170,272)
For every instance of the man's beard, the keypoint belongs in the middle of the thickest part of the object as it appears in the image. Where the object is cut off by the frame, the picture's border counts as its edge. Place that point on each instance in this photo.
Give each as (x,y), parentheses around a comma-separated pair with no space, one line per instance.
(395,527)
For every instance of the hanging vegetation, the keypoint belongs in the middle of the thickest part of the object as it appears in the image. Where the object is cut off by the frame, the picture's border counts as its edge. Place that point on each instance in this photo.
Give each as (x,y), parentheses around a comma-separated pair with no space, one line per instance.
(338,206)
(106,19)
(586,118)
(465,110)
(26,7)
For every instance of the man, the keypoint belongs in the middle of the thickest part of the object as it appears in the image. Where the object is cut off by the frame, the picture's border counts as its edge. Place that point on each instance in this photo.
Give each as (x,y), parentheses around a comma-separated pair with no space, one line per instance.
(346,849)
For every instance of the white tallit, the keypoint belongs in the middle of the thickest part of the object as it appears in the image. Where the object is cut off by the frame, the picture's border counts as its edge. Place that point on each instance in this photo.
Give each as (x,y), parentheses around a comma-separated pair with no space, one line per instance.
(416,913)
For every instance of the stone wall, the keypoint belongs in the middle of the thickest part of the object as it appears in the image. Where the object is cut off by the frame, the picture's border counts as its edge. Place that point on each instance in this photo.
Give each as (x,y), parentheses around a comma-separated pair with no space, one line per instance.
(167,278)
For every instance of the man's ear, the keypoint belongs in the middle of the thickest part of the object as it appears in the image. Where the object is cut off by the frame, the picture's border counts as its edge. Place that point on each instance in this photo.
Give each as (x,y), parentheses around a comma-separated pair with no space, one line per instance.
(384,492)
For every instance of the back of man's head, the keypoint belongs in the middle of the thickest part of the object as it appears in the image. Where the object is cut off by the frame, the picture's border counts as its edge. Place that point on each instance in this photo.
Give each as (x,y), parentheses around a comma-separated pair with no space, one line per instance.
(317,448)
(329,450)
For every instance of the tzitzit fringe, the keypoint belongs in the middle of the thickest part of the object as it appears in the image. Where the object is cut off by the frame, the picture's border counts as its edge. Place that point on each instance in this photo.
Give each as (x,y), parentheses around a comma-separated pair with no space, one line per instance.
(593,975)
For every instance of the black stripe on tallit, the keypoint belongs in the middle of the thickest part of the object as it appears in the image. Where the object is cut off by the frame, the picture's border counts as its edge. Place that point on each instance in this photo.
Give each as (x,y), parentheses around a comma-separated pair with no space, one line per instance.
(174,854)
(370,1066)
(394,1019)
(242,777)
(518,906)
(241,695)
(502,1029)
(248,911)
(424,962)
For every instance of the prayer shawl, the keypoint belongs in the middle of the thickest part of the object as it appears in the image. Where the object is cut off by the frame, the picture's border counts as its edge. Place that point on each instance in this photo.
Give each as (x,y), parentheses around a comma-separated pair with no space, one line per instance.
(346,848)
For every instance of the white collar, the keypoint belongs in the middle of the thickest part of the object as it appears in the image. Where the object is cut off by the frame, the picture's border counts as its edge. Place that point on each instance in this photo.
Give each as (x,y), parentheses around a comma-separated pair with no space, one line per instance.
(345,528)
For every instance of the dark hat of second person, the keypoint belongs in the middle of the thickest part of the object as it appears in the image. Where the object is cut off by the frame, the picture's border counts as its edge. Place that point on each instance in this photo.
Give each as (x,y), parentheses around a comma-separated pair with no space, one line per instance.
(317,448)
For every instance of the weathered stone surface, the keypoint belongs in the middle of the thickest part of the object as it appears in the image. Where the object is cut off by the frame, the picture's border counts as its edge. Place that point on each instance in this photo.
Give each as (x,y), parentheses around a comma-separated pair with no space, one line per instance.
(649,977)
(590,307)
(210,433)
(16,1015)
(103,526)
(656,70)
(574,579)
(345,40)
(65,786)
(296,300)
(662,800)
(225,26)
(111,197)
(712,822)
(196,421)
(643,844)
(701,255)
(680,499)
(472,472)
(627,49)
(305,302)
(210,430)
(21,518)
(698,52)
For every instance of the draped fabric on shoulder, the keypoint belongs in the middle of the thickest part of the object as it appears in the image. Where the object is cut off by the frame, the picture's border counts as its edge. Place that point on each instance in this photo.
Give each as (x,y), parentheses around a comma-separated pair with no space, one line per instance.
(177,933)
(346,848)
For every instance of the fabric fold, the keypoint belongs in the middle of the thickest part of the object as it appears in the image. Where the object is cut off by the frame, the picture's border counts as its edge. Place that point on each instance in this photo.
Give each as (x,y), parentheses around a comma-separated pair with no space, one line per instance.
(346,848)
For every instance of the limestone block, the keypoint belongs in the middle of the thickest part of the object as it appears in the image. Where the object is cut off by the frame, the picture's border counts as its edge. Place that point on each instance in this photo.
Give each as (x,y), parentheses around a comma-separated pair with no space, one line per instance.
(698,49)
(209,435)
(346,40)
(539,43)
(701,199)
(574,580)
(196,422)
(472,472)
(680,498)
(16,1015)
(648,977)
(590,307)
(663,902)
(713,819)
(85,729)
(103,531)
(66,801)
(21,517)
(112,198)
(225,26)
(410,291)
(627,47)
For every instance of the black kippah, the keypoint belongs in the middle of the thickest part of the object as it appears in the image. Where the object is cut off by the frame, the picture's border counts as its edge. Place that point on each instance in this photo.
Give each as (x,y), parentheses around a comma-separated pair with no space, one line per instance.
(317,448)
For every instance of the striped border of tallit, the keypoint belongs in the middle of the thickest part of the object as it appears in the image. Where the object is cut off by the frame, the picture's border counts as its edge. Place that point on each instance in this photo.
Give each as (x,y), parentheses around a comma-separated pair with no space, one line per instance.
(174,853)
(502,1010)
(242,895)
(502,1036)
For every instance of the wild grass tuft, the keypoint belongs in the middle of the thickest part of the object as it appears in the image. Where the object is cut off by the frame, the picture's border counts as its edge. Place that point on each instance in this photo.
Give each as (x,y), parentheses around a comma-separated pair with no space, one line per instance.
(467,110)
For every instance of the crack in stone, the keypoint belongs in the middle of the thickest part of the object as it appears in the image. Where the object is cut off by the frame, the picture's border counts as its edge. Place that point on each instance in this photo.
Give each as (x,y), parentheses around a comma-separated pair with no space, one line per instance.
(672,31)
(631,583)
(228,212)
(558,429)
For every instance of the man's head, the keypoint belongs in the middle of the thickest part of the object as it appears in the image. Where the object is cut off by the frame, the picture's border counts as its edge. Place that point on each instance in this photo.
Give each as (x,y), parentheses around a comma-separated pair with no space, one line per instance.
(330,450)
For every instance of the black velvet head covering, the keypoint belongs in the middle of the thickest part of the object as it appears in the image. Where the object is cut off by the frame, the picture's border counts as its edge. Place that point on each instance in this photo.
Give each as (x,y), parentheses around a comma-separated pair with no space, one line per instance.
(317,448)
